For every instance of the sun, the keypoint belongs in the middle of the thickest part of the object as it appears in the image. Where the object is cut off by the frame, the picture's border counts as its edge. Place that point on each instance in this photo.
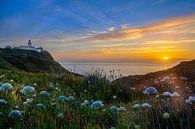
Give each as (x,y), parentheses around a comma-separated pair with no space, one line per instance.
(165,58)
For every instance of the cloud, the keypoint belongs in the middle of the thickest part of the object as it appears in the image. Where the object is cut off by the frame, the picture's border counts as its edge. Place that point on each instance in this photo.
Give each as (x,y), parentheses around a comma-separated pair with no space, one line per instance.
(110,29)
(124,26)
(179,25)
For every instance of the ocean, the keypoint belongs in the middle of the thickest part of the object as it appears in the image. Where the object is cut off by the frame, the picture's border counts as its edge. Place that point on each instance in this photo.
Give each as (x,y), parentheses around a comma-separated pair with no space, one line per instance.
(119,69)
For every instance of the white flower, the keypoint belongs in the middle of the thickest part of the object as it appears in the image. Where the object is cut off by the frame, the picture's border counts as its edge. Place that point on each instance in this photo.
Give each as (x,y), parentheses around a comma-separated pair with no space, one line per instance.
(150,91)
(60,115)
(62,98)
(136,106)
(6,86)
(188,101)
(114,96)
(146,106)
(34,95)
(192,99)
(166,115)
(114,108)
(122,109)
(44,93)
(175,94)
(3,102)
(66,98)
(27,89)
(167,94)
(15,114)
(11,80)
(70,98)
(97,104)
(29,101)
(85,103)
(132,88)
(40,105)
(157,96)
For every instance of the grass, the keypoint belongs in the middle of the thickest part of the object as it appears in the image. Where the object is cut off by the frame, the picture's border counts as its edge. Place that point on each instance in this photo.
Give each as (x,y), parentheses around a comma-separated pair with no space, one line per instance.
(72,115)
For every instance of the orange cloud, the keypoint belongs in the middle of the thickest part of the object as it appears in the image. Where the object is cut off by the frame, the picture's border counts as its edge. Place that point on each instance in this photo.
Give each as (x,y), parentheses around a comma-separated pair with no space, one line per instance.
(169,26)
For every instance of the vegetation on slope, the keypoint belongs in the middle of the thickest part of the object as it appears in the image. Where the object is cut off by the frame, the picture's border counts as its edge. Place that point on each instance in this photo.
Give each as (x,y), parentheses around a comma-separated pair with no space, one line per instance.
(67,101)
(29,61)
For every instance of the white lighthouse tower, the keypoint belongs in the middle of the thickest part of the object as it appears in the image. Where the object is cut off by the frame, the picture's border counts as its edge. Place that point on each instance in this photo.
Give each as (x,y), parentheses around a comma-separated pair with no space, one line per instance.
(29,43)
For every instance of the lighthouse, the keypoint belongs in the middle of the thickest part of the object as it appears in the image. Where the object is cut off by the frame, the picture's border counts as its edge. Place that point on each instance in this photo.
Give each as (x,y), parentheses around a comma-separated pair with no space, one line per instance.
(29,43)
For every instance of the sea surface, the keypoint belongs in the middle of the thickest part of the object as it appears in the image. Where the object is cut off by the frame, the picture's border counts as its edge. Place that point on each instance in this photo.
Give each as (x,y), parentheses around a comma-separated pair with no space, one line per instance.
(116,69)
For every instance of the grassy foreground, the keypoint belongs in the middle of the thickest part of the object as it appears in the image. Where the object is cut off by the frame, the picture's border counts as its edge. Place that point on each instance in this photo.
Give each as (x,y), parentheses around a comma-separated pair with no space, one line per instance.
(47,110)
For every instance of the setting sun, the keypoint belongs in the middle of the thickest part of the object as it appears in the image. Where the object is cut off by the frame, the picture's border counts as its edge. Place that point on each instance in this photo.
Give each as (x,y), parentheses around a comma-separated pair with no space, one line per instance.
(165,58)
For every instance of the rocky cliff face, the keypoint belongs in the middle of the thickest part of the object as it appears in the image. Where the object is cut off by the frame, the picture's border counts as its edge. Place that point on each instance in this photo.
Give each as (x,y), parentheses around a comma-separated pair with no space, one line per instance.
(29,61)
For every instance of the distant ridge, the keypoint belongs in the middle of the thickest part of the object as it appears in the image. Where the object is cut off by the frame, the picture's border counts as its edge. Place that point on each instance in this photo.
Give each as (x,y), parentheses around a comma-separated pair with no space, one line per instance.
(185,70)
(29,61)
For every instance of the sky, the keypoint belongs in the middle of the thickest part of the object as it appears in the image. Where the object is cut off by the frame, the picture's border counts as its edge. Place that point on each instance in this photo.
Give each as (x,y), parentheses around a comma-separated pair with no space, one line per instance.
(102,30)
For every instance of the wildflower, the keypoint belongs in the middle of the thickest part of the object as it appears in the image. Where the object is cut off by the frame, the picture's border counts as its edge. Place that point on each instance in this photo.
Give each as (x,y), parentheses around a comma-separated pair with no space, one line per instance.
(85,103)
(150,91)
(122,109)
(104,110)
(114,108)
(16,107)
(2,76)
(85,90)
(183,78)
(114,96)
(53,104)
(62,98)
(29,101)
(175,94)
(35,84)
(11,80)
(136,106)
(167,94)
(157,96)
(25,103)
(188,101)
(70,98)
(34,95)
(40,105)
(97,104)
(137,127)
(146,106)
(60,115)
(65,98)
(3,102)
(192,99)
(44,93)
(15,114)
(6,86)
(166,115)
(27,89)
(132,88)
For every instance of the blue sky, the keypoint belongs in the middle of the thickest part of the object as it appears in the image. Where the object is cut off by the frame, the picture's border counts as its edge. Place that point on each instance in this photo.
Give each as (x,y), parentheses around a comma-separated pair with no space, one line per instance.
(61,25)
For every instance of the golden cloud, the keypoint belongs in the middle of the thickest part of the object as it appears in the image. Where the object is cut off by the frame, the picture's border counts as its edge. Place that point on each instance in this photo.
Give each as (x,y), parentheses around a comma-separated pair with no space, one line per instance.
(179,25)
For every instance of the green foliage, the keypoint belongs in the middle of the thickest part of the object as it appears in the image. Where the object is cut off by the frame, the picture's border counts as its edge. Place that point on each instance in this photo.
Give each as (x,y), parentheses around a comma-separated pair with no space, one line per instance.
(73,115)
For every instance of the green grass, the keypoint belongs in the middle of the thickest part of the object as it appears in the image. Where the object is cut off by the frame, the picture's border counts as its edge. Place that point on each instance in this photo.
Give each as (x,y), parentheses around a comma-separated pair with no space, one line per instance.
(76,116)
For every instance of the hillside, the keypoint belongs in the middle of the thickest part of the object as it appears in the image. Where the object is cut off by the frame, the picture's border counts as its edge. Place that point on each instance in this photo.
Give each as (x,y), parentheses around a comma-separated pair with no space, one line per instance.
(185,71)
(29,61)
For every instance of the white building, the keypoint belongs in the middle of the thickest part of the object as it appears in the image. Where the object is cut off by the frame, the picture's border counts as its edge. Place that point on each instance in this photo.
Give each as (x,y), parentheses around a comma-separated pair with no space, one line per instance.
(30,47)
